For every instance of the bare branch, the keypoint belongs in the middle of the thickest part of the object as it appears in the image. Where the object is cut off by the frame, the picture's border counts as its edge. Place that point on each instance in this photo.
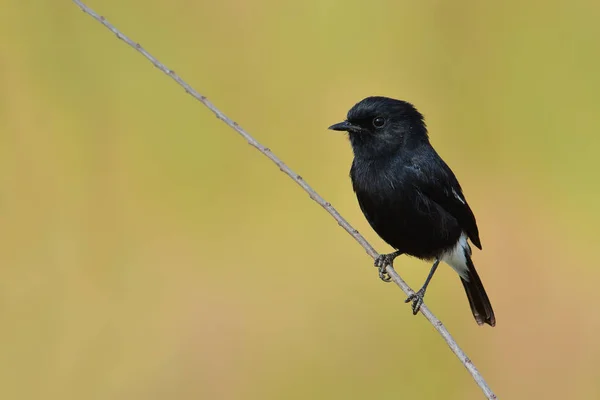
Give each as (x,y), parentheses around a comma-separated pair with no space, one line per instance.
(437,324)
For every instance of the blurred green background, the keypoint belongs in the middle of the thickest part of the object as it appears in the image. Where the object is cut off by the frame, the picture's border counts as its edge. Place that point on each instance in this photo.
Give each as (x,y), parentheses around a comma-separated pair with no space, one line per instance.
(147,252)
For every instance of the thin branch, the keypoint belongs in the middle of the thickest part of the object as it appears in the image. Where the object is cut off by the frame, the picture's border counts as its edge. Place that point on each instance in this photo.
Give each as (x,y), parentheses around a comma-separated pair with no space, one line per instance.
(437,324)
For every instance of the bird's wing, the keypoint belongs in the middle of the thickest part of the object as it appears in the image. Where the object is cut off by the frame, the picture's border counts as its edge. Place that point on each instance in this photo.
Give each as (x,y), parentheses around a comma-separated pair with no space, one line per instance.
(435,180)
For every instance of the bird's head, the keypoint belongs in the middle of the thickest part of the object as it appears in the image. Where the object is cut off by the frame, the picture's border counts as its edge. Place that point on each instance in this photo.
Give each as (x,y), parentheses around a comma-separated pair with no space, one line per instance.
(380,125)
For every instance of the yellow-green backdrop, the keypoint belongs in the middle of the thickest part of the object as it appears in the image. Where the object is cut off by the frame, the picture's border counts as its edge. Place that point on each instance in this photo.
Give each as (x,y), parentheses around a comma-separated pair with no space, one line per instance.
(147,252)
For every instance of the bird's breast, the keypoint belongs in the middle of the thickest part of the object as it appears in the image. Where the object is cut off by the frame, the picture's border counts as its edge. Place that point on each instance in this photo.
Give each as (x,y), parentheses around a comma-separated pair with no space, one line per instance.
(379,178)
(400,213)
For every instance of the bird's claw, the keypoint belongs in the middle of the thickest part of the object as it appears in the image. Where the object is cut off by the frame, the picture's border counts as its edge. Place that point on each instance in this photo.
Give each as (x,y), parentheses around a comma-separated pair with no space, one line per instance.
(417,300)
(381,263)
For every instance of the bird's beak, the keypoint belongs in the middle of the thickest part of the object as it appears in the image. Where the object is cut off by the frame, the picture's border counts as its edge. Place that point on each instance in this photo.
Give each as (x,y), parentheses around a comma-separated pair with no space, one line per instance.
(345,127)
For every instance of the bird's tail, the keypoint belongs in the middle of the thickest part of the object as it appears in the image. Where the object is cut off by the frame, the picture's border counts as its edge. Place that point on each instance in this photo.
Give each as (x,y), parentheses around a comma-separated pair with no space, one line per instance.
(478,299)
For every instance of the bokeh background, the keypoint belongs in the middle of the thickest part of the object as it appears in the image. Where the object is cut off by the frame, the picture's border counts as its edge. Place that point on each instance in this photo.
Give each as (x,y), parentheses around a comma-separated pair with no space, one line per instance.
(147,252)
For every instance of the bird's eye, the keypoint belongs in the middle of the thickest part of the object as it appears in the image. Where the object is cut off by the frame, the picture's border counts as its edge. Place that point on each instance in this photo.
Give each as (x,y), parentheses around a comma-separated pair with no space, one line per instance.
(378,122)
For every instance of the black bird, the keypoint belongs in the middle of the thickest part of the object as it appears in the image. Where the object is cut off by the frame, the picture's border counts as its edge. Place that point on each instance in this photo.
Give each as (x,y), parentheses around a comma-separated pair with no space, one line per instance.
(410,196)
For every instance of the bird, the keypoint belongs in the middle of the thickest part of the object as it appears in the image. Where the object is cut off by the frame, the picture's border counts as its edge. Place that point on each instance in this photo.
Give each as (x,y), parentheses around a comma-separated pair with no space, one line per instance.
(411,198)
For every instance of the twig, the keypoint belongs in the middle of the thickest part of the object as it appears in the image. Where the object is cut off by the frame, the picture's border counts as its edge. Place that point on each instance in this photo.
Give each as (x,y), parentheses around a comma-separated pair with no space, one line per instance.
(437,324)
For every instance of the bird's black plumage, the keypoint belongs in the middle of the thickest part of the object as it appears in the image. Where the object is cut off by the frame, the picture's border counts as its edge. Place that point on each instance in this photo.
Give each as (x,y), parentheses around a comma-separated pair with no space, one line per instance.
(410,196)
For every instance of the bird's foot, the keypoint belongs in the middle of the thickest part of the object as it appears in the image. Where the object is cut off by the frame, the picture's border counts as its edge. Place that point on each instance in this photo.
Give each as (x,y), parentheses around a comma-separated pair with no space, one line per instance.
(417,300)
(382,261)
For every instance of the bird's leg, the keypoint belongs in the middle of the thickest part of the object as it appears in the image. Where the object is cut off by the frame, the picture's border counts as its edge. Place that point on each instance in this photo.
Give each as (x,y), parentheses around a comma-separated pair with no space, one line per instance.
(417,298)
(382,261)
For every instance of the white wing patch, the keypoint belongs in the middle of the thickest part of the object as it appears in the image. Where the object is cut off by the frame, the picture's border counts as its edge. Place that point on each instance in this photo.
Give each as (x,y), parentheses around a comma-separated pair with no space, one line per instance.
(455,257)
(458,196)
